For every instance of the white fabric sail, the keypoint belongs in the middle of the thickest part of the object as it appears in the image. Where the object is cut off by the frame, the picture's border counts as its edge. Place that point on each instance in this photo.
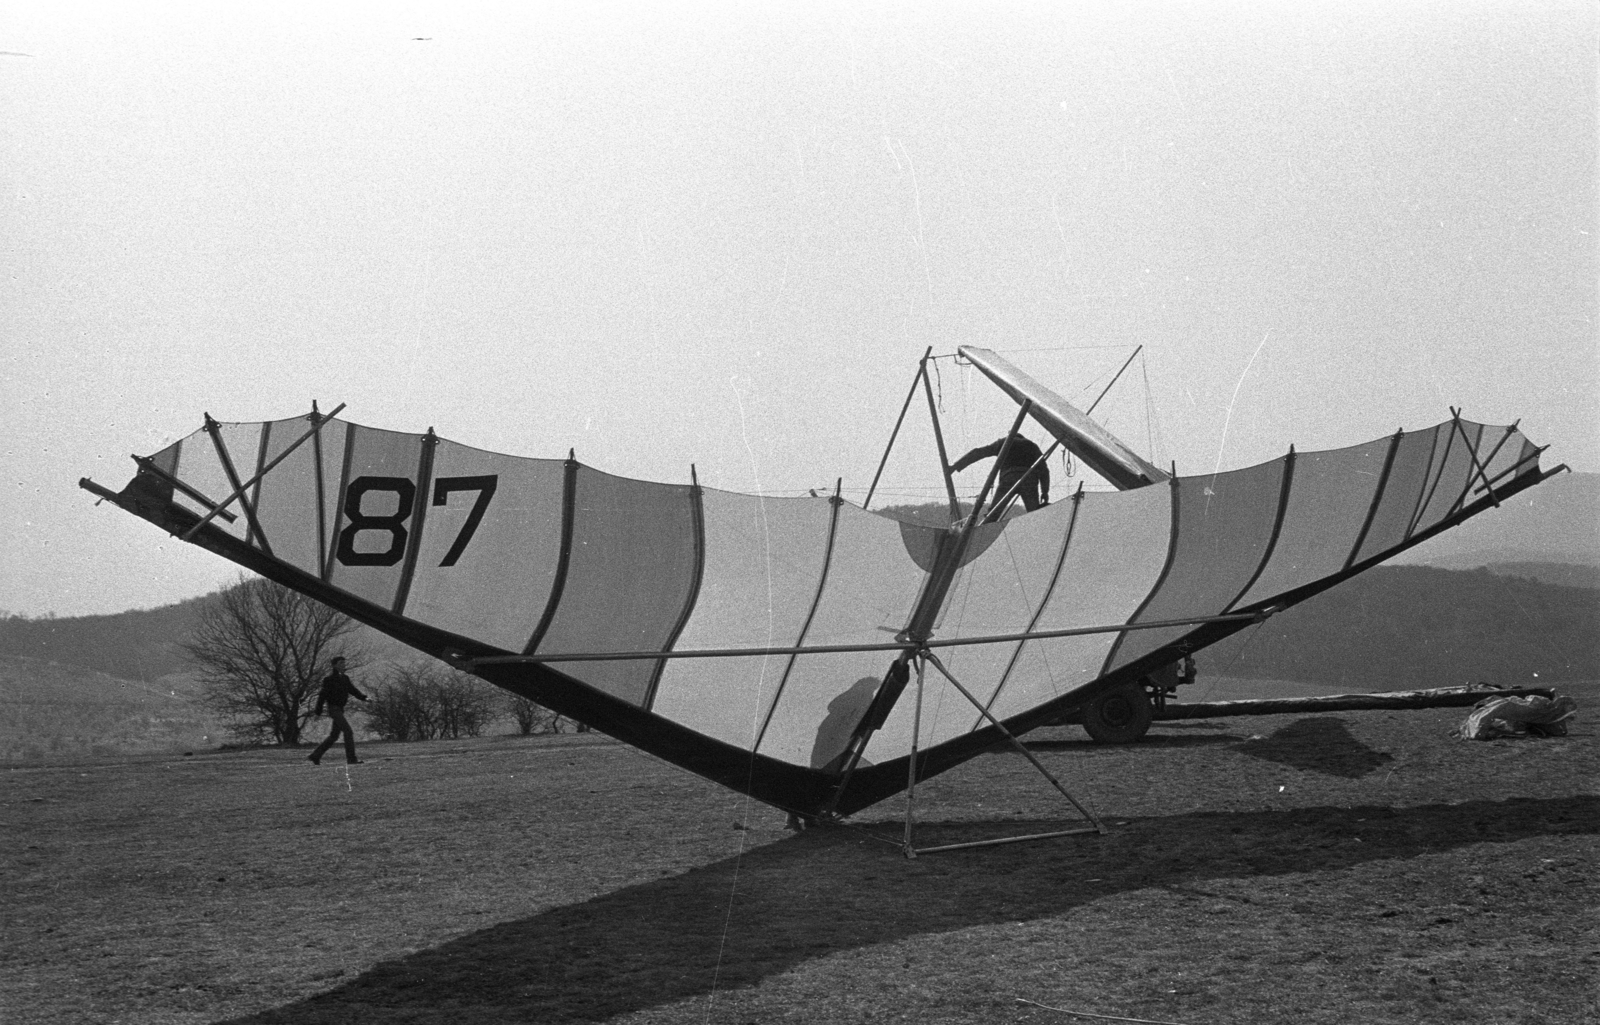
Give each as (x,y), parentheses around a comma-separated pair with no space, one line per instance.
(747,638)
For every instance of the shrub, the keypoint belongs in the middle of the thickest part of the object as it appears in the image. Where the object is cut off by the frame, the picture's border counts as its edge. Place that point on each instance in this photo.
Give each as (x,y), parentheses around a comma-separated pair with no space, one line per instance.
(429,701)
(532,717)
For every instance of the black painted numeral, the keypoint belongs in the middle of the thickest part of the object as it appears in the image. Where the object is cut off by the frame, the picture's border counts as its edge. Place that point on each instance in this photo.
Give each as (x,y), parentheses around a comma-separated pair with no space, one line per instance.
(360,522)
(394,524)
(484,486)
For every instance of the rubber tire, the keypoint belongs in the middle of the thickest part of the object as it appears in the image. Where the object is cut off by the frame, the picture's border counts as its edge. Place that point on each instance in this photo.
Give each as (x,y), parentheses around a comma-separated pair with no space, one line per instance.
(1119,716)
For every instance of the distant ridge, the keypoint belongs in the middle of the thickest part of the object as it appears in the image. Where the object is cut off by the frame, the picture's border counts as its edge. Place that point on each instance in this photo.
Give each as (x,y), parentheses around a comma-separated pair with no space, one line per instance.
(1558,573)
(1404,627)
(1554,522)
(141,644)
(114,684)
(59,710)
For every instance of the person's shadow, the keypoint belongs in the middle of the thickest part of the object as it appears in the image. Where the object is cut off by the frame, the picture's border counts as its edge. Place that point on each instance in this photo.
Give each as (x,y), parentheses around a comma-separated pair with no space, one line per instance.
(844,714)
(741,920)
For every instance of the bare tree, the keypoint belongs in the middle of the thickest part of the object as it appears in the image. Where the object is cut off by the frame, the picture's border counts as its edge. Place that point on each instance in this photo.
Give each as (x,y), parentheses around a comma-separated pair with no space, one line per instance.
(467,705)
(400,708)
(427,700)
(262,649)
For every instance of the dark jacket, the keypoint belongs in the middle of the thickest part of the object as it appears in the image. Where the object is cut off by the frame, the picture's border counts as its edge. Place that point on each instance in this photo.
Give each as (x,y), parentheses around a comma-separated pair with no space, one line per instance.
(1022,454)
(337,691)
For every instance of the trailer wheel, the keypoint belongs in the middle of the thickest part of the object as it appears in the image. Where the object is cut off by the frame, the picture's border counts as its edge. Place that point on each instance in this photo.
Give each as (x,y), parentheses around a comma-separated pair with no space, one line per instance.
(1120,716)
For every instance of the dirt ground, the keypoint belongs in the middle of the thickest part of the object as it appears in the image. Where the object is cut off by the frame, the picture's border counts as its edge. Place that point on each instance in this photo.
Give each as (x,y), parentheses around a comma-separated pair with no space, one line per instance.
(1354,867)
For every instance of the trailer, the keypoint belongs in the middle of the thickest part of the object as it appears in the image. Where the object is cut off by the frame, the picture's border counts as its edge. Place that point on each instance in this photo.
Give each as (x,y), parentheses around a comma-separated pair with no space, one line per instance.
(1124,715)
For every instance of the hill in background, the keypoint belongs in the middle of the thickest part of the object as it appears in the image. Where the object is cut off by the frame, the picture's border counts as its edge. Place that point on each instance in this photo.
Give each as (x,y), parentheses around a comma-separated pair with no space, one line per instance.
(59,710)
(1554,522)
(1415,626)
(143,644)
(1561,574)
(116,684)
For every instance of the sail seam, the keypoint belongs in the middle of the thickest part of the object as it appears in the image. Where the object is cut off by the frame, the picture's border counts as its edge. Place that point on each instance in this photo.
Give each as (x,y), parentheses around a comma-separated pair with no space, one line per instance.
(569,500)
(261,464)
(697,511)
(1044,602)
(1277,529)
(419,514)
(1430,486)
(816,602)
(1377,497)
(1172,556)
(322,498)
(339,497)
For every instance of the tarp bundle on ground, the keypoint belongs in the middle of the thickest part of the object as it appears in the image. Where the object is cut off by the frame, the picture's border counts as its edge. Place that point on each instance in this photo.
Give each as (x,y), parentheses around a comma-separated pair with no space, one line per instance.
(471,554)
(1532,716)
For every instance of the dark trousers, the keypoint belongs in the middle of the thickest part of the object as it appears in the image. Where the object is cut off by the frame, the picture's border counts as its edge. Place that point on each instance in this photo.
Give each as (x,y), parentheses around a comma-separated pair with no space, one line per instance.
(340,725)
(1028,492)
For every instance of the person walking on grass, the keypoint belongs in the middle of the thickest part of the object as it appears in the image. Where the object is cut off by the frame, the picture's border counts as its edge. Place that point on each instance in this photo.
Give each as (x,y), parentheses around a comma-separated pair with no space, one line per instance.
(337,690)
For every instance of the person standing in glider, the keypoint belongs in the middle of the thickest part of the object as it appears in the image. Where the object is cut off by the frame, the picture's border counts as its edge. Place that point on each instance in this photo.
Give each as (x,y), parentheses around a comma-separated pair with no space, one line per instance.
(337,690)
(1034,489)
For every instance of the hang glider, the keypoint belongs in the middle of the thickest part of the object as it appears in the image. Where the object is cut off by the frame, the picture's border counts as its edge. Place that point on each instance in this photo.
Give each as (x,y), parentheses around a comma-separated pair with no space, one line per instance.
(765,643)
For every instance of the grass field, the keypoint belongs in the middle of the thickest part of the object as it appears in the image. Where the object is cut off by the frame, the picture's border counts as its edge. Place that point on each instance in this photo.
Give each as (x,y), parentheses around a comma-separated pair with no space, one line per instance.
(1357,867)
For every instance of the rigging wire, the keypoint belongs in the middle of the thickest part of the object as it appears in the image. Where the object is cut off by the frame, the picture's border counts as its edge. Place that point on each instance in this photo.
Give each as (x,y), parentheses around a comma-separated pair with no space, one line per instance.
(1058,348)
(1150,428)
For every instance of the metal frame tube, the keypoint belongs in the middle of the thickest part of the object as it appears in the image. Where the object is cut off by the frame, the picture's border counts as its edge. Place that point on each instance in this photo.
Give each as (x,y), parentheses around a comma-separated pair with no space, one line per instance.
(922,368)
(857,747)
(1472,452)
(938,437)
(923,657)
(149,466)
(1488,459)
(911,763)
(1511,470)
(835,504)
(996,842)
(1114,379)
(829,649)
(242,488)
(994,473)
(1022,748)
(322,497)
(214,429)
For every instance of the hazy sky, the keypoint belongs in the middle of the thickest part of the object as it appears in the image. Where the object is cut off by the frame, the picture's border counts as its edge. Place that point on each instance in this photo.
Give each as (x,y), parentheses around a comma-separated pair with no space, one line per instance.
(723,235)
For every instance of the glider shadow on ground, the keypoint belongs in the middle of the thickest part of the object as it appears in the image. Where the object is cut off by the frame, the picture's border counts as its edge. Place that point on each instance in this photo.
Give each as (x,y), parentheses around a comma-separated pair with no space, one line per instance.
(658,943)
